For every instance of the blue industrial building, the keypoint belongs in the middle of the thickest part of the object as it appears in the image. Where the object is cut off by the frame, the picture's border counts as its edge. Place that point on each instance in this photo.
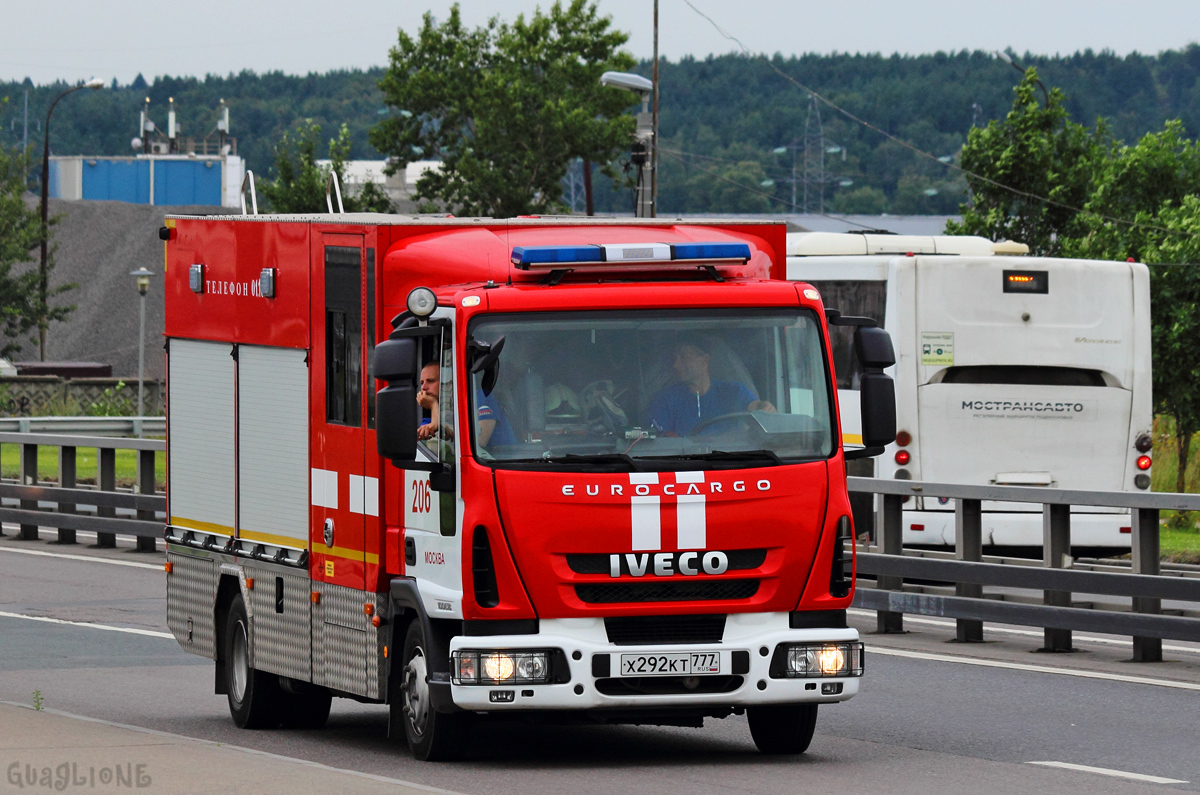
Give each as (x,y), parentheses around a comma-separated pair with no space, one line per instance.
(212,180)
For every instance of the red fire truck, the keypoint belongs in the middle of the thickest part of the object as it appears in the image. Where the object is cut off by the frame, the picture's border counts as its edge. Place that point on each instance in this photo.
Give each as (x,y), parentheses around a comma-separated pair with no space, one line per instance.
(473,467)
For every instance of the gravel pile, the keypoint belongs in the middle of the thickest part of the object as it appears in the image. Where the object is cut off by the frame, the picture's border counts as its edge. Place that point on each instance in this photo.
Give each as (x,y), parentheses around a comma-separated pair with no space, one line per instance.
(97,244)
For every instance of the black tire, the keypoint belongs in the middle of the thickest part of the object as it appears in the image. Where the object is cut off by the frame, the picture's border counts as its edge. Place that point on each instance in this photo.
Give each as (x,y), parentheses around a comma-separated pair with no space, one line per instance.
(782,728)
(432,736)
(254,696)
(307,709)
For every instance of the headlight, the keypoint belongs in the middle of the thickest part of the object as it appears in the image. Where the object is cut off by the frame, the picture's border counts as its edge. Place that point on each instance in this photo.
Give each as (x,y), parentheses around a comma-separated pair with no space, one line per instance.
(826,659)
(500,667)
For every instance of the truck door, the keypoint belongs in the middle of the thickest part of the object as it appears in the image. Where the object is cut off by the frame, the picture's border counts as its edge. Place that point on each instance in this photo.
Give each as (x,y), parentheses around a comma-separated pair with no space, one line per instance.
(341,497)
(432,546)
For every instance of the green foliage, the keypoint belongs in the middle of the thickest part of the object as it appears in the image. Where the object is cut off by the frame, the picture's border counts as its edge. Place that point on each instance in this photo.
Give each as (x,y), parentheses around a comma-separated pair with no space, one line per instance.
(20,235)
(1034,152)
(38,701)
(726,108)
(115,401)
(506,107)
(300,181)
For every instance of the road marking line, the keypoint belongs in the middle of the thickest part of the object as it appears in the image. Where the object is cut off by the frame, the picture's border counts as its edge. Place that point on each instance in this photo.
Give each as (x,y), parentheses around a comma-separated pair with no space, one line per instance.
(1104,771)
(131,630)
(1040,669)
(1025,632)
(83,557)
(255,751)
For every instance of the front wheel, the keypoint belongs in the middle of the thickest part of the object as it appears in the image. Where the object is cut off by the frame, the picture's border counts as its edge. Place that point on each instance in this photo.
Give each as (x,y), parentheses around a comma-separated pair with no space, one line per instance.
(254,696)
(782,728)
(432,736)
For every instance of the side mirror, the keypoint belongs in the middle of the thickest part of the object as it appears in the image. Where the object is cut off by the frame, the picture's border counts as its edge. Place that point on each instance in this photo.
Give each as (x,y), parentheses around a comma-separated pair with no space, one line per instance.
(485,358)
(877,393)
(396,404)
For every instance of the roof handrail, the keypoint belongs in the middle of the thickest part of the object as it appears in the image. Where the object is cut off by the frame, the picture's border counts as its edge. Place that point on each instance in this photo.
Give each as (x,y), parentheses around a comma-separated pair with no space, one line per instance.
(249,178)
(335,184)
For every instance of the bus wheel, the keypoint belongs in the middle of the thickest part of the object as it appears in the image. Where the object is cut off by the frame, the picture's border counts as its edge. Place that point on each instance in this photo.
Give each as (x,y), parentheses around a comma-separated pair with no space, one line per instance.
(254,696)
(783,728)
(432,736)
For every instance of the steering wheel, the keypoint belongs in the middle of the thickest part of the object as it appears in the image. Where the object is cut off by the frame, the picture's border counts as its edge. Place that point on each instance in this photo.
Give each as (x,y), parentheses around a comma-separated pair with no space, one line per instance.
(744,418)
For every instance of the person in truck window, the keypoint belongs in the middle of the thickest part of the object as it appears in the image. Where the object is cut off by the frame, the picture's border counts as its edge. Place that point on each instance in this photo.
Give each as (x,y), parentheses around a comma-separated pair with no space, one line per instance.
(427,399)
(493,425)
(697,396)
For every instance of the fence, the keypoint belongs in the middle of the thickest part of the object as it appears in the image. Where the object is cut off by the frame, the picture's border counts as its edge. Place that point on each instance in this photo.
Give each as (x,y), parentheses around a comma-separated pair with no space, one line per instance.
(889,567)
(1056,615)
(140,509)
(30,395)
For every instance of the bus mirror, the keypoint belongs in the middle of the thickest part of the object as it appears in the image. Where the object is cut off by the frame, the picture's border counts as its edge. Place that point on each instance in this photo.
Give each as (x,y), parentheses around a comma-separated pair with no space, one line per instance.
(873,347)
(396,404)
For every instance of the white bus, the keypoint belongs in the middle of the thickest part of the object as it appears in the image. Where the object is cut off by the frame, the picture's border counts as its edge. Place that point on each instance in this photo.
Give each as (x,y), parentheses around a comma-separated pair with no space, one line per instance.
(1011,370)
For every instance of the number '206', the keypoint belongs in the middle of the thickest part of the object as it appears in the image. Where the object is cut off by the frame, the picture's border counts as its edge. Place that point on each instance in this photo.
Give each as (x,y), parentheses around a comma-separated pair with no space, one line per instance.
(422,501)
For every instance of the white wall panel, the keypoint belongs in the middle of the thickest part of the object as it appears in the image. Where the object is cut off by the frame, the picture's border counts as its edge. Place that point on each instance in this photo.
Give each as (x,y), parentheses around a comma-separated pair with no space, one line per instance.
(201,417)
(273,445)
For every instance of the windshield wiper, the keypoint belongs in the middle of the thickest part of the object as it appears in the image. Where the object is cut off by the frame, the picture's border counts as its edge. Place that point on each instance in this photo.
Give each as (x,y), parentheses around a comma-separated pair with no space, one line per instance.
(724,455)
(573,458)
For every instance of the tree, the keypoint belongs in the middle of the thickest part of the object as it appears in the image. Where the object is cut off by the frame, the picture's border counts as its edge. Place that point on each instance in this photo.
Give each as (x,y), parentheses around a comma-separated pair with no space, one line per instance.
(1142,207)
(300,181)
(505,107)
(1036,153)
(20,234)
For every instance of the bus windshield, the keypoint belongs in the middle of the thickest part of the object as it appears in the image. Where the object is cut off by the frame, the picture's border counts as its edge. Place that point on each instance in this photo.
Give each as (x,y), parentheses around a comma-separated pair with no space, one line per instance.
(653,390)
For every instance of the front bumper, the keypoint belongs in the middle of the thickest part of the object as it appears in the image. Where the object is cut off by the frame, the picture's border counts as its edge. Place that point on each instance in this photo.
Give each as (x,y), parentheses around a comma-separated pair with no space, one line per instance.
(582,638)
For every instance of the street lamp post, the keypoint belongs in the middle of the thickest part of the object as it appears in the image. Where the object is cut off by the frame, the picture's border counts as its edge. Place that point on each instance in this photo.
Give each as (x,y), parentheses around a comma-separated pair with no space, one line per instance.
(1008,59)
(143,284)
(43,275)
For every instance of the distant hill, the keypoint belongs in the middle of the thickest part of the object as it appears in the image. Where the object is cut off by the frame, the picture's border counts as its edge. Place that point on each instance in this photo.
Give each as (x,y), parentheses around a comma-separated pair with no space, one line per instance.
(723,115)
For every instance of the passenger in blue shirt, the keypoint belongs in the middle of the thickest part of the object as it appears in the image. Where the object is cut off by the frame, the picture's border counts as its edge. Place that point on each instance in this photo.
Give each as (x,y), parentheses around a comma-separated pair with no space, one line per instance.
(493,428)
(697,397)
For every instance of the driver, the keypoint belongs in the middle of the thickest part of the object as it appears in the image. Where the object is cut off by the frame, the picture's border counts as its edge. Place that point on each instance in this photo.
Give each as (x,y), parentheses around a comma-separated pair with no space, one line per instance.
(696,396)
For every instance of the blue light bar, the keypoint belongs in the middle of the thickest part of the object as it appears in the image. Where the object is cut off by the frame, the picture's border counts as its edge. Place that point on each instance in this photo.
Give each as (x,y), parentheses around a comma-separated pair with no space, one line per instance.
(524,256)
(612,256)
(726,251)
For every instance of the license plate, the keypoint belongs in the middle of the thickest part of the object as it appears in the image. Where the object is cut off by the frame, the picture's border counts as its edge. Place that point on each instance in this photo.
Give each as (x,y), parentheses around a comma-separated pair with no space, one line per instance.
(688,663)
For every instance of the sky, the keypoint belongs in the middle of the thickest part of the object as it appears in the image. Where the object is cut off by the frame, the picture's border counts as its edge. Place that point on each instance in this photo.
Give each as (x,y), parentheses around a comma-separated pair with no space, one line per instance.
(71,40)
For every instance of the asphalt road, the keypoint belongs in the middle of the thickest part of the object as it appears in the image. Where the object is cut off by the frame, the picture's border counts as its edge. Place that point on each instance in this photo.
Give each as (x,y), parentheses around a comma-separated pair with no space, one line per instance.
(918,725)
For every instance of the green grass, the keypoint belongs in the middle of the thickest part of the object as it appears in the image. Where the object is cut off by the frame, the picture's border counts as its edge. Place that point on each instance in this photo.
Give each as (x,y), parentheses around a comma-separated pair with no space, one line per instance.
(1180,545)
(85,465)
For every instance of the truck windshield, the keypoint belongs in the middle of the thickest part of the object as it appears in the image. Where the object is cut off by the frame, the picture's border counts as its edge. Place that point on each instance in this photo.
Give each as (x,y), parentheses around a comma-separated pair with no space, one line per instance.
(653,390)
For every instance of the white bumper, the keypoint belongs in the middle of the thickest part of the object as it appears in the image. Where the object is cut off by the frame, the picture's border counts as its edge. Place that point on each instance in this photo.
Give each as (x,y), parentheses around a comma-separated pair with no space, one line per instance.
(584,637)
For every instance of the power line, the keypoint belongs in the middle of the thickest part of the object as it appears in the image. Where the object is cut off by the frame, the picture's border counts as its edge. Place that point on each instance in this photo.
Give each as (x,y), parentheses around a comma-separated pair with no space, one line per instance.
(771,196)
(922,152)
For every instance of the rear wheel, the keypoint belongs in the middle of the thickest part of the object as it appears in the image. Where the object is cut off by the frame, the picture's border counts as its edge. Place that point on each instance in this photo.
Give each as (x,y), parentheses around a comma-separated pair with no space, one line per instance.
(254,696)
(432,736)
(782,728)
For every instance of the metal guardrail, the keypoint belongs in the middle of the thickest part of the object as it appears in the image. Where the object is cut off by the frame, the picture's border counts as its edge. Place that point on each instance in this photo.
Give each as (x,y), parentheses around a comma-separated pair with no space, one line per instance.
(143,502)
(92,426)
(1056,615)
(1144,584)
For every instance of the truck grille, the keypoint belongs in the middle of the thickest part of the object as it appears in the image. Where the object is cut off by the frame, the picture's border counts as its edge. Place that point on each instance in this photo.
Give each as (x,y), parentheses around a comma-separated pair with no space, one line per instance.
(739,560)
(642,630)
(677,591)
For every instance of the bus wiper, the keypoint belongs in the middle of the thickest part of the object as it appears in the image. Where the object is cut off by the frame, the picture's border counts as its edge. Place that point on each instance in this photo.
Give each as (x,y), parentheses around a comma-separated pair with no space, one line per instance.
(734,455)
